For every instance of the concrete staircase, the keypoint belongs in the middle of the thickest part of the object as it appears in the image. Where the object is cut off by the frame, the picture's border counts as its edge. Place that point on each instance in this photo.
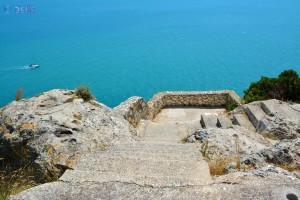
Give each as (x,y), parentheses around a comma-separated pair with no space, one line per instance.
(145,164)
(213,120)
(159,163)
(158,160)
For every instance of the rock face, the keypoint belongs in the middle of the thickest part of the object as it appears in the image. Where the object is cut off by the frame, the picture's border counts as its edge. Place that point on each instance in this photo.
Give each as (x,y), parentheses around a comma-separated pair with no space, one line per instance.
(133,110)
(267,132)
(272,118)
(54,129)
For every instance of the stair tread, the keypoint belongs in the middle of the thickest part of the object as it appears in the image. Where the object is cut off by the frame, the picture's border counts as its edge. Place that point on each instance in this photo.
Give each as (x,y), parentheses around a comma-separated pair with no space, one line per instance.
(143,166)
(255,113)
(224,122)
(243,120)
(78,176)
(167,156)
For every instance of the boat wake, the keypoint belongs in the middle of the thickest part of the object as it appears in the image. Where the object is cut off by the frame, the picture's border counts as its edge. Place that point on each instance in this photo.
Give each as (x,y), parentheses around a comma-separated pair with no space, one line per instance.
(16,68)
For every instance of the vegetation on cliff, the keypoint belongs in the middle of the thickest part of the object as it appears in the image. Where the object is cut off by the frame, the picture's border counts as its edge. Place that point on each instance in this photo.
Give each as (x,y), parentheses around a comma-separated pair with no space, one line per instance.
(285,87)
(84,92)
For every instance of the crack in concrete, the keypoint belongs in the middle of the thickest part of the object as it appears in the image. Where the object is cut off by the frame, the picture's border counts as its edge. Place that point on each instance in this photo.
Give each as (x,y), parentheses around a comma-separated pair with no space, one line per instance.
(134,183)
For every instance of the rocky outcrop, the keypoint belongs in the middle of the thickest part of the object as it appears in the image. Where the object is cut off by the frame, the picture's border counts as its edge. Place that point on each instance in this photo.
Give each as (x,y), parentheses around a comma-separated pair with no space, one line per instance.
(267,132)
(54,129)
(133,110)
(272,118)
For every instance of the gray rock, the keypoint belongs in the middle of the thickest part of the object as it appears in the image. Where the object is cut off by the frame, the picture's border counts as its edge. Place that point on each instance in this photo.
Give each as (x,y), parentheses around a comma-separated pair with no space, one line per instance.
(201,134)
(277,156)
(191,139)
(279,127)
(55,128)
(256,160)
(264,171)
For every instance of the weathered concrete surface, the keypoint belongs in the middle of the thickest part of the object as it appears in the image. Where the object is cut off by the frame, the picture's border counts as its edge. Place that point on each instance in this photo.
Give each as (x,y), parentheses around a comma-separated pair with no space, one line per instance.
(233,186)
(209,120)
(255,113)
(224,122)
(243,120)
(182,114)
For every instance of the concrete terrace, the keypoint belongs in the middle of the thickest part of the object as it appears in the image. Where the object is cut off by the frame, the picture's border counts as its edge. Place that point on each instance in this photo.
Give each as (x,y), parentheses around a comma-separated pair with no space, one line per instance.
(174,123)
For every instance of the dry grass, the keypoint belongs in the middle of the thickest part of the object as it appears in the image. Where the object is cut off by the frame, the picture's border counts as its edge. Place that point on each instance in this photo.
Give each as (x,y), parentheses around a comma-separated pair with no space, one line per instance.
(3,129)
(217,166)
(218,163)
(94,103)
(185,138)
(204,149)
(238,154)
(19,94)
(290,167)
(15,182)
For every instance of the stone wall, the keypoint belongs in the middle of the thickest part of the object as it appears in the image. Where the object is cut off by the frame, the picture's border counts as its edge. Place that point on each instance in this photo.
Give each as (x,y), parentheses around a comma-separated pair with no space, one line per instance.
(197,98)
(133,110)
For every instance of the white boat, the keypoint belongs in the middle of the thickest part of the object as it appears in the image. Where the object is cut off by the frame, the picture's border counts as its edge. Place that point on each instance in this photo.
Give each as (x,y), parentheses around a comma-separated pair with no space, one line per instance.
(33,66)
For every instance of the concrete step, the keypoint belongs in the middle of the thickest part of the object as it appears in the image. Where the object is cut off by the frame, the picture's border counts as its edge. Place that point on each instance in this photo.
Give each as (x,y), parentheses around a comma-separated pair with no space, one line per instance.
(62,190)
(149,155)
(166,132)
(270,107)
(243,120)
(146,146)
(224,122)
(255,113)
(77,176)
(209,120)
(144,166)
(162,140)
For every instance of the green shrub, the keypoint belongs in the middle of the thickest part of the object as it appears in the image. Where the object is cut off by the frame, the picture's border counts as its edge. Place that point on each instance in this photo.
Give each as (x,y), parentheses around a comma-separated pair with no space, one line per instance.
(286,87)
(19,94)
(231,105)
(84,93)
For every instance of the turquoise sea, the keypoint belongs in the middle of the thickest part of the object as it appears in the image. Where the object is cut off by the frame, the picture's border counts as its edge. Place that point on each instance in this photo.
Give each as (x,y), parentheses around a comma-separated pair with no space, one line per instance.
(122,48)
